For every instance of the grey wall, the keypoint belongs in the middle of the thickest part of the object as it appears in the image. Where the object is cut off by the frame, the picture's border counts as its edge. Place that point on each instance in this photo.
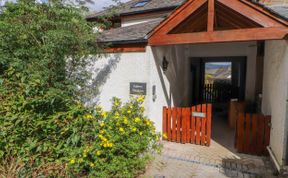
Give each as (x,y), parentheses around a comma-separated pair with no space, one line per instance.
(275,90)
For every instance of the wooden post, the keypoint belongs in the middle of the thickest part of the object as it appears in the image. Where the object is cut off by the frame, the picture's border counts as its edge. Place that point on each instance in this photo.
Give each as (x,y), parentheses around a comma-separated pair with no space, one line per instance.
(211,14)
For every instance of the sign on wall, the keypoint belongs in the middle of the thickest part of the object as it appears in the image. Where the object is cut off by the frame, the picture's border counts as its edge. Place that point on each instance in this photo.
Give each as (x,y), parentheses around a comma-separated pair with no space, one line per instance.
(138,88)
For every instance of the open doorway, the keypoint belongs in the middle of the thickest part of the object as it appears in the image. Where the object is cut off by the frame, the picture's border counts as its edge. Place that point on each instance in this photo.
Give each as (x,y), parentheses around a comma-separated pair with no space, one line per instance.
(218,81)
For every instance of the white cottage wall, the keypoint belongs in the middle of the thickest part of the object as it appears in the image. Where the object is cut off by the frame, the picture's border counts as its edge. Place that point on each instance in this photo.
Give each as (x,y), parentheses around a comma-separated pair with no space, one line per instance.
(275,96)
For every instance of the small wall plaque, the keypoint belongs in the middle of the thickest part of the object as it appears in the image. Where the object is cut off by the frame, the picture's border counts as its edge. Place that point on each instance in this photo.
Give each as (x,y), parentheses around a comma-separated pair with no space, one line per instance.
(199,114)
(138,88)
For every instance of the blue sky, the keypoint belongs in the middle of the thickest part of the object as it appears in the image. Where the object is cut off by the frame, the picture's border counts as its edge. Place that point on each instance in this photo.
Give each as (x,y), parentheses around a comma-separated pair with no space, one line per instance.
(99,4)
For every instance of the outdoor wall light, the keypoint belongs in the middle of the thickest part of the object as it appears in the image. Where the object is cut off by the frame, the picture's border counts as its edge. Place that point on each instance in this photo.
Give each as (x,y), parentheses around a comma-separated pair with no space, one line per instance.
(165,64)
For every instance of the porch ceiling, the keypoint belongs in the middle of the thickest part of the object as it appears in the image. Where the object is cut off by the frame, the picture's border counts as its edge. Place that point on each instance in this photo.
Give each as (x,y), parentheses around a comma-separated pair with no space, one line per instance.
(211,21)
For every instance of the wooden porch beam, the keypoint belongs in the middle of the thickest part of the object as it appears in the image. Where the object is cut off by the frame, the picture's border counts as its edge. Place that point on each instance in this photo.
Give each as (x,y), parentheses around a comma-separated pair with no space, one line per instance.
(220,36)
(211,15)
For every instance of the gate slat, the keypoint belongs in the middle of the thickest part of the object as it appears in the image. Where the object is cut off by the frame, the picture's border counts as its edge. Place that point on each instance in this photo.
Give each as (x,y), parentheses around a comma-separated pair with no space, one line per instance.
(179,116)
(193,123)
(174,118)
(209,122)
(164,122)
(240,132)
(184,115)
(169,124)
(254,134)
(198,126)
(247,134)
(203,126)
(188,125)
(260,137)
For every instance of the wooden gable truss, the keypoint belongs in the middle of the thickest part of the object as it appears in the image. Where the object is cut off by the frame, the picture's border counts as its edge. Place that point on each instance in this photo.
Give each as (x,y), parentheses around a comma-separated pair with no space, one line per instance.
(211,21)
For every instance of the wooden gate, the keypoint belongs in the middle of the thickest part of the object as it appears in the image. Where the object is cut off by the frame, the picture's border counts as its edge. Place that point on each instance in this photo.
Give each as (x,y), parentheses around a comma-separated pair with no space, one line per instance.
(188,125)
(253,134)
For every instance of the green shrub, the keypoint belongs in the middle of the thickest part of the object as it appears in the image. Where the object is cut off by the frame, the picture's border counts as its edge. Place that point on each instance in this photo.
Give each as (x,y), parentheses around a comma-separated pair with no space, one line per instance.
(88,142)
(122,142)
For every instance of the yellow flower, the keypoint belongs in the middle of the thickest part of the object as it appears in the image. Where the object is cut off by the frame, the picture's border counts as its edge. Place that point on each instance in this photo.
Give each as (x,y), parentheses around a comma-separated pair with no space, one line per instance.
(125,121)
(105,145)
(98,153)
(140,133)
(141,99)
(104,114)
(84,155)
(129,111)
(102,124)
(157,138)
(165,136)
(121,129)
(117,115)
(92,165)
(72,161)
(137,119)
(131,106)
(110,145)
(142,109)
(134,129)
(116,103)
(102,132)
(88,117)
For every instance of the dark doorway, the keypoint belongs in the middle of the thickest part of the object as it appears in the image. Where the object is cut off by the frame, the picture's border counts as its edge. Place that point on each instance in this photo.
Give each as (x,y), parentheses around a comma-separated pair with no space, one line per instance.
(217,80)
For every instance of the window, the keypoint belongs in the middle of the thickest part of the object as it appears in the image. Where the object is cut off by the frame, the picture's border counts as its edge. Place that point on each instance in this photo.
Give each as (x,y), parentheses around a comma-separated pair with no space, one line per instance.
(141,3)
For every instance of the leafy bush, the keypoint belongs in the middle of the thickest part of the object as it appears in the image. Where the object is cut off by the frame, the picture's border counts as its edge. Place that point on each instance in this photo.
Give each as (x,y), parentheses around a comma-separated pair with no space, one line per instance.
(87,142)
(121,144)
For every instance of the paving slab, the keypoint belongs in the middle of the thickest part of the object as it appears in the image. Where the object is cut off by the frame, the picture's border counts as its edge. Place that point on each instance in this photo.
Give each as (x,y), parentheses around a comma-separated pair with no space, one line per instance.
(194,161)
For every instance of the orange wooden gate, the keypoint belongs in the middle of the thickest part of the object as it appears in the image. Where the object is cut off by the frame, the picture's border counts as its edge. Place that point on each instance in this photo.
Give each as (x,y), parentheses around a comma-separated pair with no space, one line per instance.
(253,134)
(188,125)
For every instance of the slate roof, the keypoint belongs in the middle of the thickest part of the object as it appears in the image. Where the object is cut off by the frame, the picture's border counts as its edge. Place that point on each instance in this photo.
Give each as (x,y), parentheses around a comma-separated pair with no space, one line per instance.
(130,34)
(281,11)
(152,5)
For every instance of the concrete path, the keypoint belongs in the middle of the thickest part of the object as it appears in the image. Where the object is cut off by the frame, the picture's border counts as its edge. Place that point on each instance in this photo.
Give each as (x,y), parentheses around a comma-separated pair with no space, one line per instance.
(192,161)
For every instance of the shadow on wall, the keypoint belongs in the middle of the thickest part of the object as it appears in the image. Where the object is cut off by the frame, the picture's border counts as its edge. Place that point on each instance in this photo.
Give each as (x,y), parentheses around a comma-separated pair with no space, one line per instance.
(100,72)
(158,63)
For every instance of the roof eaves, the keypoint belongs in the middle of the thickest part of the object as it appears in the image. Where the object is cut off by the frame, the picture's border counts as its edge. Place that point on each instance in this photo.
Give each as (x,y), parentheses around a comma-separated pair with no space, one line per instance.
(124,42)
(147,11)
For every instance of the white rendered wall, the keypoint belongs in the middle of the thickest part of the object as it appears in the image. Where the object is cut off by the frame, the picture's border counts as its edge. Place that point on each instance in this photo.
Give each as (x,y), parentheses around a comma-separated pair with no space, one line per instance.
(275,90)
(133,20)
(132,67)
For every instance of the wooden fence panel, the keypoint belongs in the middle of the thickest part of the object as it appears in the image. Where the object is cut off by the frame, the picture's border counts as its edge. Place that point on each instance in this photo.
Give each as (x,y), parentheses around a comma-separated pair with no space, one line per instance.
(253,134)
(182,126)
